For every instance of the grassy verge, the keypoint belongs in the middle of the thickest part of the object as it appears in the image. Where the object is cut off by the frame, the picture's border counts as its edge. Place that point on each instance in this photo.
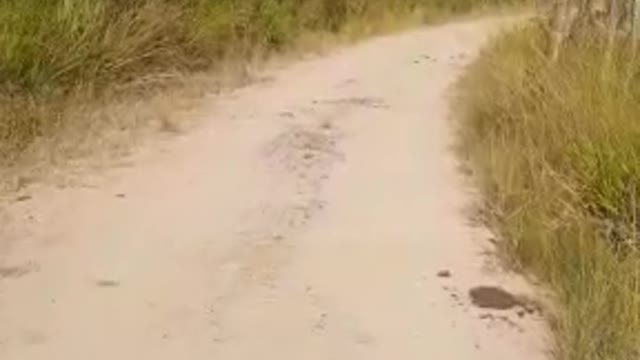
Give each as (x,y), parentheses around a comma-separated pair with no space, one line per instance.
(59,56)
(556,149)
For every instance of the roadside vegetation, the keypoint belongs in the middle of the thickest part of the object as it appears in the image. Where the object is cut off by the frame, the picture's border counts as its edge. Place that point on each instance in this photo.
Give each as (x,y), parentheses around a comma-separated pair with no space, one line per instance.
(551,128)
(57,56)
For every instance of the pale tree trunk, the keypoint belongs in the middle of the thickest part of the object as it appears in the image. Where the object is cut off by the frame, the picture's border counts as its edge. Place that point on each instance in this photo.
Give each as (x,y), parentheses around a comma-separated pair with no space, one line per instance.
(585,12)
(587,15)
(560,17)
(612,30)
(635,36)
(635,26)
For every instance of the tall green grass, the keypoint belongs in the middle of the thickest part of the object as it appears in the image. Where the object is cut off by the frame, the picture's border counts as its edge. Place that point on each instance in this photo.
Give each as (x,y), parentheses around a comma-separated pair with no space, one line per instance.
(54,51)
(556,148)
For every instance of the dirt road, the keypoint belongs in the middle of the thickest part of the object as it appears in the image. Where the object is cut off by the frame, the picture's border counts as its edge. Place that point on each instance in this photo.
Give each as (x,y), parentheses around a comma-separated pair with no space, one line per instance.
(318,214)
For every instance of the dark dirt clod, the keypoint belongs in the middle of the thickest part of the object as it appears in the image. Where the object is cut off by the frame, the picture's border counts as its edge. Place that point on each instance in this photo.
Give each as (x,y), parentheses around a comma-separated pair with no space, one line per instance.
(487,317)
(287,114)
(13,272)
(23,198)
(444,274)
(107,283)
(369,102)
(489,297)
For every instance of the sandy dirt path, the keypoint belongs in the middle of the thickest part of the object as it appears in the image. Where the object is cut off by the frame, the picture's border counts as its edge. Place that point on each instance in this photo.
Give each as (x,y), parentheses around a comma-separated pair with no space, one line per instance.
(318,214)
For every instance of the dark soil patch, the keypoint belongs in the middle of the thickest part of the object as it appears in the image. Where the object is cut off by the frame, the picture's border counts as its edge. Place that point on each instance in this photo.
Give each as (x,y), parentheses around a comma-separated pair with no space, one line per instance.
(489,297)
(24,198)
(15,272)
